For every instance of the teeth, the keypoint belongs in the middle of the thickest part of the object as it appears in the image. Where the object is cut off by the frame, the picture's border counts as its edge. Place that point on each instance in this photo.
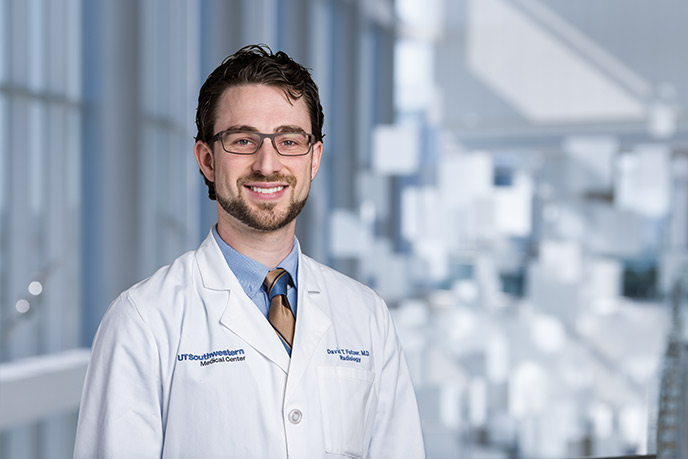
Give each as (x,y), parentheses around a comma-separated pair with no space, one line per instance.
(267,190)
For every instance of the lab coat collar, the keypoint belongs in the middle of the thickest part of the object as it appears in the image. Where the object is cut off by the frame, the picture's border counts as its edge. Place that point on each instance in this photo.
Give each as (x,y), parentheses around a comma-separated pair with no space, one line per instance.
(244,319)
(223,294)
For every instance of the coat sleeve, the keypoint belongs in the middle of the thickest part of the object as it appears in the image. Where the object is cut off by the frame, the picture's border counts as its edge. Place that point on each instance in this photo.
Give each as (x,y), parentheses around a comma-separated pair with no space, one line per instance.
(397,430)
(120,411)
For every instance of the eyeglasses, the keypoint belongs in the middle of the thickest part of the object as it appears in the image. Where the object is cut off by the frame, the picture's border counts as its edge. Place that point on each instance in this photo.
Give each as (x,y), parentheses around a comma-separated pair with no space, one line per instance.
(249,142)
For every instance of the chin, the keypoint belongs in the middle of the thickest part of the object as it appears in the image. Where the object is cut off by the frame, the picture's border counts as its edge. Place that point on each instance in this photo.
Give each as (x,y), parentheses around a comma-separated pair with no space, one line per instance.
(264,218)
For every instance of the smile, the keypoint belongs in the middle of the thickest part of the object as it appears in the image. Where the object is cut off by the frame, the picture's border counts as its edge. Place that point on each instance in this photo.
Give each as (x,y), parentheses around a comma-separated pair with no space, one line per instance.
(266,190)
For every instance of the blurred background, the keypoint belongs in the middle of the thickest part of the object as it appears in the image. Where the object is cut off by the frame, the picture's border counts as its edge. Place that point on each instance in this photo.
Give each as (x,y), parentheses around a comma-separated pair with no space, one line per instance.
(510,175)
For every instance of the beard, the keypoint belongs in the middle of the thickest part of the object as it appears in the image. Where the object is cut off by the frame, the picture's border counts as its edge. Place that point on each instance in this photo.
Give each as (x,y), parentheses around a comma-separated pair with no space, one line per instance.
(265,218)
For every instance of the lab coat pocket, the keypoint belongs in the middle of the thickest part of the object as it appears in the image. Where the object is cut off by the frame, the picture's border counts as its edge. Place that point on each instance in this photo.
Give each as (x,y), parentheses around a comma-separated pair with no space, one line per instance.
(346,397)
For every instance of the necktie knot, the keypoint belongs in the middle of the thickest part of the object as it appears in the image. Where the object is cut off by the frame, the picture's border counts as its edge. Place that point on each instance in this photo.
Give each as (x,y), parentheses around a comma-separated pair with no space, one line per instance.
(276,282)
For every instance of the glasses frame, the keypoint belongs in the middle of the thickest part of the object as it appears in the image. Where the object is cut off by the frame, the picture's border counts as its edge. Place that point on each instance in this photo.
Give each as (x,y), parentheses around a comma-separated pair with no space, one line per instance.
(311,141)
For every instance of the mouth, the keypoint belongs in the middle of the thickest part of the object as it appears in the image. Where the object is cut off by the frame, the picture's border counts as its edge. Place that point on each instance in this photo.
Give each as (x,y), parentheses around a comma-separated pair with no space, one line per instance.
(262,190)
(267,189)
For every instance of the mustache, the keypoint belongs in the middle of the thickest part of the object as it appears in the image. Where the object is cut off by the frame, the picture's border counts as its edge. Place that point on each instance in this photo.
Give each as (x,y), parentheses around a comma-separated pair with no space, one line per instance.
(258,177)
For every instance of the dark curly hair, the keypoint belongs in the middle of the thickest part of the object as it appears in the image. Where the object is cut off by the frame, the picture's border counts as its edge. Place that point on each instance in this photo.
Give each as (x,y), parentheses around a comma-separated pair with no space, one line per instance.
(256,64)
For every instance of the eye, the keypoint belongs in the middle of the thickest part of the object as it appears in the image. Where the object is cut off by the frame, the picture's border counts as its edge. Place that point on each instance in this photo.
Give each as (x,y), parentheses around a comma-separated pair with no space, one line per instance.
(240,139)
(292,140)
(241,142)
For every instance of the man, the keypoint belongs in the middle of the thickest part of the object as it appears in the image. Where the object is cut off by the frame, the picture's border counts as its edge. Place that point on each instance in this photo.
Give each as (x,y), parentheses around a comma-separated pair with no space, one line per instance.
(203,358)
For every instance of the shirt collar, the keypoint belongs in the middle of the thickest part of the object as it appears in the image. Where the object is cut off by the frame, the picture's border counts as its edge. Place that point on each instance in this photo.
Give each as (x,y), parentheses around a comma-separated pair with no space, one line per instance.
(250,272)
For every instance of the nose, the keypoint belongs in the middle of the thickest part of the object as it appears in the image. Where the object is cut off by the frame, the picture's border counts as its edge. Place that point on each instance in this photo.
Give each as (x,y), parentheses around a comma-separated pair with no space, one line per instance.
(266,160)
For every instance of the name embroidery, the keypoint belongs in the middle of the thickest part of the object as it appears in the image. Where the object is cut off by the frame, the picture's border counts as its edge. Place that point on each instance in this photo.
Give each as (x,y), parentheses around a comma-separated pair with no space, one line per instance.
(349,354)
(221,356)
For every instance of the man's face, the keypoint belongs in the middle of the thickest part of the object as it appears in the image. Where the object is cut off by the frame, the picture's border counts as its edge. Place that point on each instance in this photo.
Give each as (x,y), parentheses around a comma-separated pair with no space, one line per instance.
(263,191)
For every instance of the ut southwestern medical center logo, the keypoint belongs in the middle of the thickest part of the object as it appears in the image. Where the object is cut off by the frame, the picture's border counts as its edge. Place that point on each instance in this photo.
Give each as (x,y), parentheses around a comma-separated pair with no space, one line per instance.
(209,358)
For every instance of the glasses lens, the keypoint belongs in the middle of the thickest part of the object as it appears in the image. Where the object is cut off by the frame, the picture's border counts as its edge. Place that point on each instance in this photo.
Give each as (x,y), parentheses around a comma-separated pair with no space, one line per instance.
(241,142)
(292,143)
(247,142)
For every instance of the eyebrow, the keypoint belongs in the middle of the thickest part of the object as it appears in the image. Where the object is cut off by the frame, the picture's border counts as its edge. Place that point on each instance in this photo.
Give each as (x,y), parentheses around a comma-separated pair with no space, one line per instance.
(283,128)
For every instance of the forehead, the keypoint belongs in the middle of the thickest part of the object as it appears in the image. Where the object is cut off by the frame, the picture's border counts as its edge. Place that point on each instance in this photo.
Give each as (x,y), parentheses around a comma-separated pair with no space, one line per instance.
(262,107)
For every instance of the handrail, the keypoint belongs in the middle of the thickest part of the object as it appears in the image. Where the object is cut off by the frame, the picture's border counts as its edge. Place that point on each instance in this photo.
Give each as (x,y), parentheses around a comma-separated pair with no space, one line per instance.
(35,388)
(672,408)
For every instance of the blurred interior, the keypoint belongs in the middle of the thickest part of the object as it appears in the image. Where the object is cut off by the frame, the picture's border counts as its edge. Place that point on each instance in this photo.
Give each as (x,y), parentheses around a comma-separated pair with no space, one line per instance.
(510,175)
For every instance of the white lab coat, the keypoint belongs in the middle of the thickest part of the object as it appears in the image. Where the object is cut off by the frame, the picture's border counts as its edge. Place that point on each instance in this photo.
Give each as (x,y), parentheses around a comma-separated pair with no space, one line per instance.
(184,365)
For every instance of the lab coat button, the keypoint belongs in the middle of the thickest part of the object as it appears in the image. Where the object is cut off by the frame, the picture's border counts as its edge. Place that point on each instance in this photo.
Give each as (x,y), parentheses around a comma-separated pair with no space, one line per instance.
(295,416)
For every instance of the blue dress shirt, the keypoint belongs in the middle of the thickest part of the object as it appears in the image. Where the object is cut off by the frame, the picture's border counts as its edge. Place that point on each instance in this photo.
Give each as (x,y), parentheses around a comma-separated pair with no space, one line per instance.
(251,273)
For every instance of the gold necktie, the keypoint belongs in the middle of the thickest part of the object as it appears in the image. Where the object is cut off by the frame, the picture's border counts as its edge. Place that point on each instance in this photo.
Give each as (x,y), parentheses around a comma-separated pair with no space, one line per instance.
(280,315)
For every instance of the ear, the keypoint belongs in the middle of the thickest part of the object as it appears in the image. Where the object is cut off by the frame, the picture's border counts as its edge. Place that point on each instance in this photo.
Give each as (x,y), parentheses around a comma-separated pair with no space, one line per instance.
(315,159)
(204,158)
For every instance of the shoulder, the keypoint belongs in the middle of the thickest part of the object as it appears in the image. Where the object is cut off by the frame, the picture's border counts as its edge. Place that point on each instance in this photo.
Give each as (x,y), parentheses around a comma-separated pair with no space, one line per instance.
(142,311)
(166,290)
(166,280)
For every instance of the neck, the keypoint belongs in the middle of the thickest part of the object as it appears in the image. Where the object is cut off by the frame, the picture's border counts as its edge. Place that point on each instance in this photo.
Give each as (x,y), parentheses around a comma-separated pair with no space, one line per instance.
(268,248)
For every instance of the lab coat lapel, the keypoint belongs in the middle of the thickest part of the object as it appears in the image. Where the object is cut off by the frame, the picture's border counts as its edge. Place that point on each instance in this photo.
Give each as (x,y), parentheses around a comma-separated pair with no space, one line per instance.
(240,314)
(244,319)
(312,321)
